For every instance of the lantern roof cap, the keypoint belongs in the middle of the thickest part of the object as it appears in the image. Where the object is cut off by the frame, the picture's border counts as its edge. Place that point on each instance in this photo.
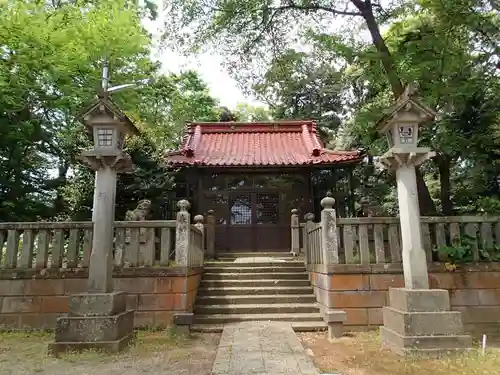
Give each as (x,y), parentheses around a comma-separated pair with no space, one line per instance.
(408,100)
(104,103)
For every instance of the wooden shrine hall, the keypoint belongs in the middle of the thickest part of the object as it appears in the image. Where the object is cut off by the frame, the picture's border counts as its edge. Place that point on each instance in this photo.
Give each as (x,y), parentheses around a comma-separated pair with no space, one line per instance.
(253,174)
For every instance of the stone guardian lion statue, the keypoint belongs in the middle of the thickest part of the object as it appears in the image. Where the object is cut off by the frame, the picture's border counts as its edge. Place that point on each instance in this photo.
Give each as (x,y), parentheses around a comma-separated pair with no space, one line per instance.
(139,214)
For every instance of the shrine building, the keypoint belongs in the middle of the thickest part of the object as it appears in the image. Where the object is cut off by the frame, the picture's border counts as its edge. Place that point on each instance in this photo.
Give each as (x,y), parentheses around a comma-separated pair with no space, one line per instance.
(253,174)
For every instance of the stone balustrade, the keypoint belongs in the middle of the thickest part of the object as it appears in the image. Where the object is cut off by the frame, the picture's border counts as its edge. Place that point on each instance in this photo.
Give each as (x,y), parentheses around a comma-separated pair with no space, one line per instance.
(377,240)
(67,245)
(352,290)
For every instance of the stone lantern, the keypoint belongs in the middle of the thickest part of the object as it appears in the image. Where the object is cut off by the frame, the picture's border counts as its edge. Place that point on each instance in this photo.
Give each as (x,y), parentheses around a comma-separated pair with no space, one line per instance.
(418,319)
(108,126)
(98,318)
(400,125)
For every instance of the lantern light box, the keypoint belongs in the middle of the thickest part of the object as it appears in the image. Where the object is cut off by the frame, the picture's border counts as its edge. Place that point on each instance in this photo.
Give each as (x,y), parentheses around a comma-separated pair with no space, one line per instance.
(401,122)
(108,126)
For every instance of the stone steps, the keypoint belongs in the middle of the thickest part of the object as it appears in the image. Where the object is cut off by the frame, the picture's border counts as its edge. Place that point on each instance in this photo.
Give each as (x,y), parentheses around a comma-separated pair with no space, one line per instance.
(256,289)
(274,269)
(255,275)
(234,318)
(256,299)
(254,283)
(270,254)
(302,326)
(257,308)
(291,263)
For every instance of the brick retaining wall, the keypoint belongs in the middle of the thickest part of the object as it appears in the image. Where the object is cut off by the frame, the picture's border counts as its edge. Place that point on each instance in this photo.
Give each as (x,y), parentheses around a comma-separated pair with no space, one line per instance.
(33,299)
(362,290)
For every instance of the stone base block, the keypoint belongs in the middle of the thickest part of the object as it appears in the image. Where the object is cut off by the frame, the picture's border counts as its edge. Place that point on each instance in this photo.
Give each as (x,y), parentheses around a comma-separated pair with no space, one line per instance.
(420,321)
(55,349)
(419,300)
(97,304)
(423,323)
(335,320)
(94,328)
(335,331)
(183,321)
(424,345)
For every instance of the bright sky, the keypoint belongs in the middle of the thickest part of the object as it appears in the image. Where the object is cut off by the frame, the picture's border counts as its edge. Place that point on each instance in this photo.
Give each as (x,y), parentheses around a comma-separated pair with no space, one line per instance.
(221,85)
(210,68)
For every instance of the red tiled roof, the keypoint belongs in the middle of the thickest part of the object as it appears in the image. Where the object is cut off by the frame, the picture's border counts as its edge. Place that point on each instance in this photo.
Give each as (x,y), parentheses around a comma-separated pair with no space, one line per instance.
(285,143)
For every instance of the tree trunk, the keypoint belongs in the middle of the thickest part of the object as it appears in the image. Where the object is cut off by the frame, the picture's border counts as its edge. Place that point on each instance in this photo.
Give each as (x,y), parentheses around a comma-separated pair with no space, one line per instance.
(385,55)
(58,183)
(444,165)
(427,206)
(425,202)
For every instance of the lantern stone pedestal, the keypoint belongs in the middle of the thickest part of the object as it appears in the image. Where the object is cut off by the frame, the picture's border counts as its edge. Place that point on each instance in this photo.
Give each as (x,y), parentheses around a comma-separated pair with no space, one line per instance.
(418,319)
(95,321)
(99,319)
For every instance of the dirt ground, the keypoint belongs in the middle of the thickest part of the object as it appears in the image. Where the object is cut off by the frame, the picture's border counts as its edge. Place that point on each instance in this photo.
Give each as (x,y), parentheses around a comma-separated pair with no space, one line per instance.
(153,353)
(362,354)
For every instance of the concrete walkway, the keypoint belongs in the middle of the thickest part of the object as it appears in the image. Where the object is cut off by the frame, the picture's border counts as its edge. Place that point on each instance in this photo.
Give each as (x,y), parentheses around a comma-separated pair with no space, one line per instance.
(261,348)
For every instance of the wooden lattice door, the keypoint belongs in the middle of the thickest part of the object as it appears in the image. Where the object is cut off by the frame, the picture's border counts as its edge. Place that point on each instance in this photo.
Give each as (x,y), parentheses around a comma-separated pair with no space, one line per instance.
(241,222)
(270,232)
(254,223)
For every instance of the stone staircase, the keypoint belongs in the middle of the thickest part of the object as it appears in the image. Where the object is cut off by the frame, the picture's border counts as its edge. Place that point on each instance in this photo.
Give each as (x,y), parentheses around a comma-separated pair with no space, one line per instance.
(256,287)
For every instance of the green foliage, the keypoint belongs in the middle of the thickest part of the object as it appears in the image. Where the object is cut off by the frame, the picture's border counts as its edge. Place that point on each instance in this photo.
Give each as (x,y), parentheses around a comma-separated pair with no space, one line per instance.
(285,53)
(160,110)
(164,107)
(460,251)
(300,86)
(450,48)
(50,67)
(248,113)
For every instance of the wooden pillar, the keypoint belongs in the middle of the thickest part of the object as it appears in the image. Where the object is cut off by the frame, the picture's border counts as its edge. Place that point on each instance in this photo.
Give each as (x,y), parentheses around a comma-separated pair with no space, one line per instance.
(295,231)
(351,199)
(309,218)
(210,234)
(198,219)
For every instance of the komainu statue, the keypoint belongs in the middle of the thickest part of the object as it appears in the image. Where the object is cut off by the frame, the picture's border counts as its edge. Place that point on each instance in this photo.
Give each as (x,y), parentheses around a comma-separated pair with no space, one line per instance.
(139,214)
(371,209)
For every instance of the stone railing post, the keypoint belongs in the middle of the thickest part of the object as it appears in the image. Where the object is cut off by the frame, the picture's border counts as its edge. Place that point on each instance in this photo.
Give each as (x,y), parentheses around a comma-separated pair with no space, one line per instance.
(295,231)
(182,233)
(329,243)
(198,219)
(210,234)
(309,218)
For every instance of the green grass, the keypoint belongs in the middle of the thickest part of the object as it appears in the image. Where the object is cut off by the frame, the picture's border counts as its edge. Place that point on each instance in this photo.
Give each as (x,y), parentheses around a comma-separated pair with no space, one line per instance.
(363,354)
(24,353)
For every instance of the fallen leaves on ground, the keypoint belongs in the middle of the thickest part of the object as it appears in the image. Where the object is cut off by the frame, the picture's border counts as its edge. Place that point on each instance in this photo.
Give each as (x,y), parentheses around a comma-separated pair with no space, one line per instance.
(363,354)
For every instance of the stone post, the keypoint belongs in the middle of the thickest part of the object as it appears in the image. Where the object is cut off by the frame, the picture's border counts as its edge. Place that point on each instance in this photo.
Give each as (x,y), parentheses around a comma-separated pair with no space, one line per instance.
(98,319)
(198,219)
(309,218)
(330,255)
(182,233)
(329,242)
(210,234)
(295,232)
(414,258)
(417,320)
(101,258)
